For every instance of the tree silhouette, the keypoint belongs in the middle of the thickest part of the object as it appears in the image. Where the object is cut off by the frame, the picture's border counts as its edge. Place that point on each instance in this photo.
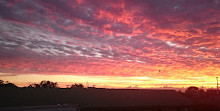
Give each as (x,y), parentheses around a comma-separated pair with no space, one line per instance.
(77,85)
(48,84)
(195,92)
(191,91)
(6,84)
(1,82)
(44,84)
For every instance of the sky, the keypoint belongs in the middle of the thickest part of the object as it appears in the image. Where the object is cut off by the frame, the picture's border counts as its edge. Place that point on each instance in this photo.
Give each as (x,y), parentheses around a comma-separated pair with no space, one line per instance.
(111,43)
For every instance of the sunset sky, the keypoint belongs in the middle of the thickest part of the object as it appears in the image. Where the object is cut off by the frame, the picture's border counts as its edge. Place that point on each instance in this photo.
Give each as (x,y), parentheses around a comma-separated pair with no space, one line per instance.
(110,43)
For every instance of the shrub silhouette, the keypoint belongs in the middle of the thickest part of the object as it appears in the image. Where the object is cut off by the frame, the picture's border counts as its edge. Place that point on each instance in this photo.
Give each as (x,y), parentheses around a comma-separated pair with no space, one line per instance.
(77,85)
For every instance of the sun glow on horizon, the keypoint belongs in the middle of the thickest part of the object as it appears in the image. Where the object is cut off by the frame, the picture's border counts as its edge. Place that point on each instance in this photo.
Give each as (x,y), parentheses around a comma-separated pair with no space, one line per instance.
(111,81)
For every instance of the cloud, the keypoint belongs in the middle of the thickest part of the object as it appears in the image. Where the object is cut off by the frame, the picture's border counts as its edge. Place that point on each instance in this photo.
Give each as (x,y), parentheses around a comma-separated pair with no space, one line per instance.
(114,38)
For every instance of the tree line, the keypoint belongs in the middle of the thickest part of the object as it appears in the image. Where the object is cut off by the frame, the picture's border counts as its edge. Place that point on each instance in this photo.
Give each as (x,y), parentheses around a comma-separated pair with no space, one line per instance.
(42,84)
(6,84)
(191,92)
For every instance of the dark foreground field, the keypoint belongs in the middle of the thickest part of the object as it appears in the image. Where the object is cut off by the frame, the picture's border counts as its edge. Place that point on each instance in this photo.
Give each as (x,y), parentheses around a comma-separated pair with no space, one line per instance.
(92,98)
(101,99)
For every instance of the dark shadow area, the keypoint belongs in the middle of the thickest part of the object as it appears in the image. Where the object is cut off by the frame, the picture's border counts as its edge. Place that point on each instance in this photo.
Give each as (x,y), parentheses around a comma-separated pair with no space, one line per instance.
(101,99)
